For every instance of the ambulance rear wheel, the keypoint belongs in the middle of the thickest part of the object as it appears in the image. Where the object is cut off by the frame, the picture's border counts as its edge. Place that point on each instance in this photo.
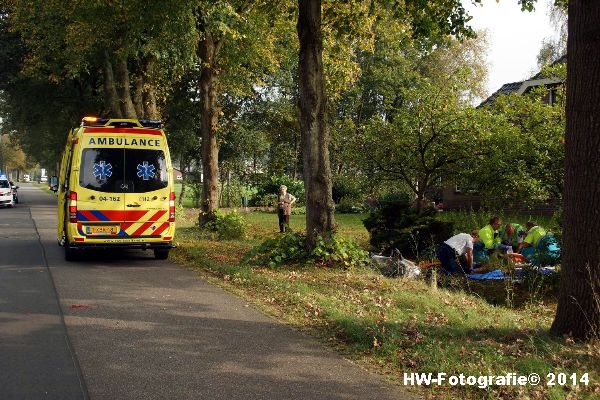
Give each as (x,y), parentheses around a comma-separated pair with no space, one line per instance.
(161,254)
(70,254)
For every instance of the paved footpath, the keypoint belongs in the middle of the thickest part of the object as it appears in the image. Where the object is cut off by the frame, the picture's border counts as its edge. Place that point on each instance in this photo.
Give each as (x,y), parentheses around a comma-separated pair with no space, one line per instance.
(139,328)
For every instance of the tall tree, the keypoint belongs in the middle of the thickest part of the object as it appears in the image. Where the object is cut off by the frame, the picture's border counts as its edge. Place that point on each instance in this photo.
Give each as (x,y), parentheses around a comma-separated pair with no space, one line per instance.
(208,51)
(432,135)
(578,312)
(236,48)
(526,167)
(314,133)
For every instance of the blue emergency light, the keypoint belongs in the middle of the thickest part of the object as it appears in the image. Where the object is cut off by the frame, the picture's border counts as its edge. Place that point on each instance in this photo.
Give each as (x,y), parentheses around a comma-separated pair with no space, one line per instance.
(148,123)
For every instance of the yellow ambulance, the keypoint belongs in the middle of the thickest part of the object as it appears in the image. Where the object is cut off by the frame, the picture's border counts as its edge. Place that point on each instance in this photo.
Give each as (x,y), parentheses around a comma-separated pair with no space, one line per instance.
(116,188)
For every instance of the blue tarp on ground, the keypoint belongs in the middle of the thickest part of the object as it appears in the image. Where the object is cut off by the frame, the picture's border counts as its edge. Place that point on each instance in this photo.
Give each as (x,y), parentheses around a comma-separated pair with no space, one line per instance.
(496,274)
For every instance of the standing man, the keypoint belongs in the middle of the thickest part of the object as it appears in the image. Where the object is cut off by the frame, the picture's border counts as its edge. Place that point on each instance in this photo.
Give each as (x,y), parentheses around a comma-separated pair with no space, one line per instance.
(455,248)
(284,201)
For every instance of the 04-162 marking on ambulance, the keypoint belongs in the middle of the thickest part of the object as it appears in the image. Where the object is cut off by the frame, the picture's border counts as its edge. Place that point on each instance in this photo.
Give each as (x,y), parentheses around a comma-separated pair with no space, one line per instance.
(109,198)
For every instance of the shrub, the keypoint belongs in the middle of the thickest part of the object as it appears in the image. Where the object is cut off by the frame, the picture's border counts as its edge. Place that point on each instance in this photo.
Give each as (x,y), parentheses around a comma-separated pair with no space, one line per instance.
(228,226)
(338,251)
(290,248)
(287,248)
(298,210)
(394,224)
(348,206)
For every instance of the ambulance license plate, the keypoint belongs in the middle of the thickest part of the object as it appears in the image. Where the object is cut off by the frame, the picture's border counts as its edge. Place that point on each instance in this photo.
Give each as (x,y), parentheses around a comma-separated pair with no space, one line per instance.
(101,230)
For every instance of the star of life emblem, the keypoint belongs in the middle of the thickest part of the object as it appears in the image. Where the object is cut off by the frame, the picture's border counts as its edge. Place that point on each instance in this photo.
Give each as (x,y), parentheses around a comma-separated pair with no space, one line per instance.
(102,170)
(145,171)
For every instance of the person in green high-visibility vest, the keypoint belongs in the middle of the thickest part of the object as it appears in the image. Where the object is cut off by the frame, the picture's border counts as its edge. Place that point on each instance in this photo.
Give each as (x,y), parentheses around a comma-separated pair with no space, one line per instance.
(489,234)
(489,240)
(512,235)
(534,233)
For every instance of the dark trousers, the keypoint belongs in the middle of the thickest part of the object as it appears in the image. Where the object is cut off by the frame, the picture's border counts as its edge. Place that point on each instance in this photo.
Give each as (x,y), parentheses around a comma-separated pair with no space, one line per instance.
(284,220)
(450,261)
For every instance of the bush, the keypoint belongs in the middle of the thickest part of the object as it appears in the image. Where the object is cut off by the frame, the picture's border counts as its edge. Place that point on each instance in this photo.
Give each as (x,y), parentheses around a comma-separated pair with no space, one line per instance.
(228,226)
(287,248)
(339,251)
(290,248)
(348,206)
(394,224)
(298,210)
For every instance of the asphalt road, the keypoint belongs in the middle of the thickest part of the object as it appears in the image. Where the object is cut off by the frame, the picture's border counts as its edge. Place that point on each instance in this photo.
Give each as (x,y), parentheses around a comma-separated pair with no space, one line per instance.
(127,326)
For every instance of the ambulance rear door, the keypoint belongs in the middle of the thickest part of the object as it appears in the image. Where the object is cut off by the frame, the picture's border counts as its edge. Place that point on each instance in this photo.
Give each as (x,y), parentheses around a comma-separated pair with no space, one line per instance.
(148,187)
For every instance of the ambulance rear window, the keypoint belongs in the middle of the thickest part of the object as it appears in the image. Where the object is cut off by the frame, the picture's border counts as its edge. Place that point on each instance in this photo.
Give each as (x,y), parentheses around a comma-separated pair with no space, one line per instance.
(115,170)
(146,169)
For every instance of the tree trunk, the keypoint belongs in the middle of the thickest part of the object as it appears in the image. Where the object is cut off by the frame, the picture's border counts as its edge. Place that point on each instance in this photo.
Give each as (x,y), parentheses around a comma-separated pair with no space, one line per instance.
(578,312)
(138,91)
(127,107)
(419,201)
(150,107)
(314,133)
(209,119)
(296,152)
(111,99)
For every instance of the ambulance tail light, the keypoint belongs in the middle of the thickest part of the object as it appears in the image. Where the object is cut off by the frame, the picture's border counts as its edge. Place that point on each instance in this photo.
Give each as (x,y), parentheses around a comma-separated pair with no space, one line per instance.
(73,206)
(172,207)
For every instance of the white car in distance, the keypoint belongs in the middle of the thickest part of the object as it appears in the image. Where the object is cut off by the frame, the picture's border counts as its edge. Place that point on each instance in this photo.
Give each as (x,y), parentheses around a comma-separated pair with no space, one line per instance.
(6,194)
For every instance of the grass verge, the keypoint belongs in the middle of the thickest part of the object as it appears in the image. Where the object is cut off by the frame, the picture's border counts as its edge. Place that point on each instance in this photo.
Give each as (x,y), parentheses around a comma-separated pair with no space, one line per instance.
(394,326)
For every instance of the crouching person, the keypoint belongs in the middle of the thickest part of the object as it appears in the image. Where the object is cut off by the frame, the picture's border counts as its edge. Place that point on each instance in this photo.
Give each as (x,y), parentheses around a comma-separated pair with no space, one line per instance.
(456,253)
(534,233)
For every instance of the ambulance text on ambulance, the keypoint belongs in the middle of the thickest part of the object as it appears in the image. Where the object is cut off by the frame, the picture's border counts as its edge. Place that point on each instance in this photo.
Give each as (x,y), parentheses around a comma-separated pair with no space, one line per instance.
(124,142)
